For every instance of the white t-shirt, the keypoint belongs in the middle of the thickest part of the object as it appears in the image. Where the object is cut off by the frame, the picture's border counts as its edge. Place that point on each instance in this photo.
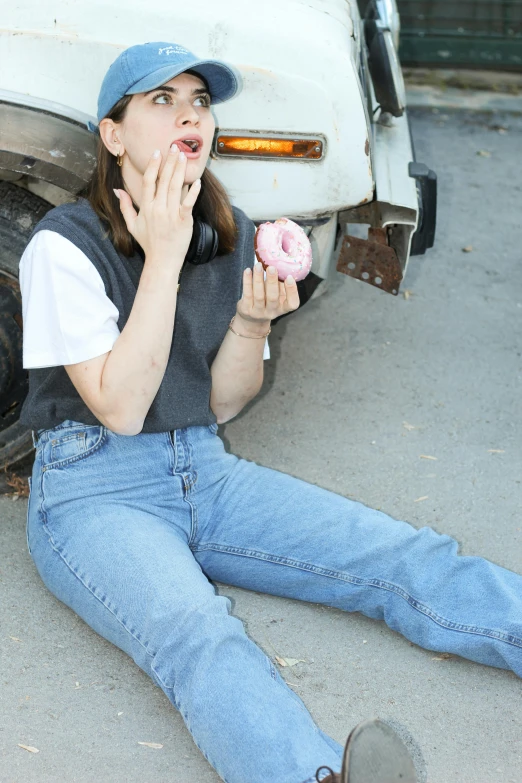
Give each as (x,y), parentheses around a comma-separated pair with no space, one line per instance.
(67,316)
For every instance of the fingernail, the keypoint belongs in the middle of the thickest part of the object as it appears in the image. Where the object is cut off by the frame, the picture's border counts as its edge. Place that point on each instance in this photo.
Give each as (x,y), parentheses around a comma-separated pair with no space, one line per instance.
(116,193)
(248,271)
(271,269)
(156,154)
(257,265)
(289,279)
(182,155)
(174,148)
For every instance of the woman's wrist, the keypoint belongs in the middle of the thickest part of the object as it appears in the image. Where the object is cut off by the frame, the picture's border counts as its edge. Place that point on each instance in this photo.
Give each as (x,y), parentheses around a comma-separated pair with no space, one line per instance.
(250,328)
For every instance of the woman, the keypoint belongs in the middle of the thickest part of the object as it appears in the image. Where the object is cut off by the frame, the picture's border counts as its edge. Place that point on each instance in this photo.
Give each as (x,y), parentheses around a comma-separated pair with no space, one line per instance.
(134,503)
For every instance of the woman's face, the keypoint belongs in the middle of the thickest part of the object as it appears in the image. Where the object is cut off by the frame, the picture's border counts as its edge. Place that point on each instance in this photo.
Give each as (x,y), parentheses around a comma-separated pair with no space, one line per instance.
(178,110)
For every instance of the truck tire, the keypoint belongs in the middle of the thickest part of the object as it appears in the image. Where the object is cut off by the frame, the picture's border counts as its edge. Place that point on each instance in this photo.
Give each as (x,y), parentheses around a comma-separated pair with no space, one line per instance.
(20,211)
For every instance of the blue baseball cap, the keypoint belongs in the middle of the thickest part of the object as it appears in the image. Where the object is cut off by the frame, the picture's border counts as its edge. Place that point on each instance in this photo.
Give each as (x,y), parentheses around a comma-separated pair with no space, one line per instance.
(143,67)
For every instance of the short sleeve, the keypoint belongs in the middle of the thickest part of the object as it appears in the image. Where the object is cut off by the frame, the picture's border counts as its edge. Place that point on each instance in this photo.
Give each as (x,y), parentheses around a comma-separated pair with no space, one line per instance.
(67,315)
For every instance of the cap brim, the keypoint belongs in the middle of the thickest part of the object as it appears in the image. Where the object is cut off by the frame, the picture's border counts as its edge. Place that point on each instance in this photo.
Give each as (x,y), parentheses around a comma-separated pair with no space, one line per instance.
(223,80)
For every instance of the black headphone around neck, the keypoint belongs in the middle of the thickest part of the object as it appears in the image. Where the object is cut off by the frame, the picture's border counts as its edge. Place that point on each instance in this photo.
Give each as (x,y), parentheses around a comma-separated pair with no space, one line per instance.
(204,243)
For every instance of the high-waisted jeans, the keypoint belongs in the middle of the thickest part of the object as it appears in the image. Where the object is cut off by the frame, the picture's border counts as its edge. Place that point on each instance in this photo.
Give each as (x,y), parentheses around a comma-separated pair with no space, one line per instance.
(128,530)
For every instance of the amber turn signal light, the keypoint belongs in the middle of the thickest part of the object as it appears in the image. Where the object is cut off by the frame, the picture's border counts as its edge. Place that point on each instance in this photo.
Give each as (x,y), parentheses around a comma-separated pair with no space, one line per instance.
(268,147)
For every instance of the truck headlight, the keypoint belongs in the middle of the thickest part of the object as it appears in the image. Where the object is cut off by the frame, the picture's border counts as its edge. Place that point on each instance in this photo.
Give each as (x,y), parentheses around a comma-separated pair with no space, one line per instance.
(238,144)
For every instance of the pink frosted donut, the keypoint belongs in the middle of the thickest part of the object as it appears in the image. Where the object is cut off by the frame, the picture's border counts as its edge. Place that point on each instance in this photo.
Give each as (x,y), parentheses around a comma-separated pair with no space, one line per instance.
(284,244)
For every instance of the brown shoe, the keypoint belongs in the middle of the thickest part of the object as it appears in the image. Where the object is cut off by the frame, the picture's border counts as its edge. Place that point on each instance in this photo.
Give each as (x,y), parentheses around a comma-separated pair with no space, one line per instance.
(374,753)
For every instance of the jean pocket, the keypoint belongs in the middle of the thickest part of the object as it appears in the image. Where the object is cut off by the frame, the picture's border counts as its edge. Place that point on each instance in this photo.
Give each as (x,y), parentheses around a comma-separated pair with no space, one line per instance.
(70,444)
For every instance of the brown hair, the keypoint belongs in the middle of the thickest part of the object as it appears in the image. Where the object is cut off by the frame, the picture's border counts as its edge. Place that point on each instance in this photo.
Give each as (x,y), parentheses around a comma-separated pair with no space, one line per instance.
(213,205)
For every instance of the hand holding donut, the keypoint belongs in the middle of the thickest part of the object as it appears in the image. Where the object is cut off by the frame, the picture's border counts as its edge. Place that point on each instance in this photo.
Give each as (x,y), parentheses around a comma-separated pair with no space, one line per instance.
(264,300)
(284,250)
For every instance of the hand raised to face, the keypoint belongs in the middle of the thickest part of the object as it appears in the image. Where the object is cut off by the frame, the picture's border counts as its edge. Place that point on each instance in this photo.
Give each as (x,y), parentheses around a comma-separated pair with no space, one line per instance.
(163,227)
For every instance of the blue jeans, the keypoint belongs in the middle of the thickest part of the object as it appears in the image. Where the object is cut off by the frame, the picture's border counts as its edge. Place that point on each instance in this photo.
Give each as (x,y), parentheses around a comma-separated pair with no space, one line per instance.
(128,530)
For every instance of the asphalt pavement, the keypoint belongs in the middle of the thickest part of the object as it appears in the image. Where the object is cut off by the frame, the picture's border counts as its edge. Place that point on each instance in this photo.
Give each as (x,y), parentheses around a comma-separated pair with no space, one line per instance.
(361,388)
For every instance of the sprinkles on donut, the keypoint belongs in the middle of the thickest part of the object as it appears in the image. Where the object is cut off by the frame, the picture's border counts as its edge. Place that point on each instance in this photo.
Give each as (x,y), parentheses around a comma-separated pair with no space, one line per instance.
(284,244)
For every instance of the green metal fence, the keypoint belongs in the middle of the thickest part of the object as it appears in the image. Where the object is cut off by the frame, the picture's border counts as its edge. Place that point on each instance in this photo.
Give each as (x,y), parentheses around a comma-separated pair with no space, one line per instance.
(463,33)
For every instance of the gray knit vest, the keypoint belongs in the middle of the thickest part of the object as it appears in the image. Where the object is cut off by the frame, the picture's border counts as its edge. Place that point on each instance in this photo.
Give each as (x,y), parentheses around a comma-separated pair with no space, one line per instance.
(206,302)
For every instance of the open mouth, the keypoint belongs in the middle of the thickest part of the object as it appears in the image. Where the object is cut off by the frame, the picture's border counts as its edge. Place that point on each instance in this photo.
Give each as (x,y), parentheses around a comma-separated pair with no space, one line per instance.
(190,146)
(192,143)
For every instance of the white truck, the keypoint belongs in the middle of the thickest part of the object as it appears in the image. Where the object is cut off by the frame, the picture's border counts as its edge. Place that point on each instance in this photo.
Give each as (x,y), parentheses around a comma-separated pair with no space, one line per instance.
(318,134)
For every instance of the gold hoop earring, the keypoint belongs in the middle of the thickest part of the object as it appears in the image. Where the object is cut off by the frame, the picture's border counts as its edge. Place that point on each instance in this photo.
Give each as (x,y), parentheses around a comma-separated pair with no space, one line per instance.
(119,160)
